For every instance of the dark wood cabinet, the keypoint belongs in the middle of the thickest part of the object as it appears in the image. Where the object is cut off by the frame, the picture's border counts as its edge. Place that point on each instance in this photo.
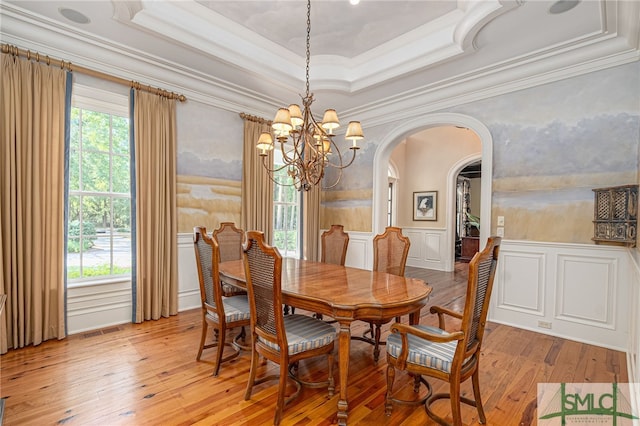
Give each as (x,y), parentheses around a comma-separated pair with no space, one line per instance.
(470,246)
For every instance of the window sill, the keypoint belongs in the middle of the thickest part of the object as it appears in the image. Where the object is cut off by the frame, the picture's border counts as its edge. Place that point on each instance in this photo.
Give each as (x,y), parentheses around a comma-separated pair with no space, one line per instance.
(99,282)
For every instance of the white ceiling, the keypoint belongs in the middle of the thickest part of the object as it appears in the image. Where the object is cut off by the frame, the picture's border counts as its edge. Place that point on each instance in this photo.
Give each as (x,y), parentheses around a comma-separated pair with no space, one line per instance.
(363,57)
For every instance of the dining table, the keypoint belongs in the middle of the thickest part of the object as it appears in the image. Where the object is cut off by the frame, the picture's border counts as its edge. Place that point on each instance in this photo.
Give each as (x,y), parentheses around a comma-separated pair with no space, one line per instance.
(345,294)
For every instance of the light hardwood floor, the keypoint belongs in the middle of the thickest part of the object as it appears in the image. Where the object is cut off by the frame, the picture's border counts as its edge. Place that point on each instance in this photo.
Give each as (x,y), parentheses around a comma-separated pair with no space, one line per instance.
(146,374)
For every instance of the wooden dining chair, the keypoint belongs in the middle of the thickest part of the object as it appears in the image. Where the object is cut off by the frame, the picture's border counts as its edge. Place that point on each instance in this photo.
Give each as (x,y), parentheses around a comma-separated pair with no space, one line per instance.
(229,239)
(390,251)
(450,356)
(334,245)
(221,313)
(283,339)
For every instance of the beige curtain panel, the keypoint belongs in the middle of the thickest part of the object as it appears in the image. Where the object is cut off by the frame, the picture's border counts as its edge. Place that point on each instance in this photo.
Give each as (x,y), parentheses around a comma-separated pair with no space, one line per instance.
(257,188)
(311,233)
(156,213)
(32,114)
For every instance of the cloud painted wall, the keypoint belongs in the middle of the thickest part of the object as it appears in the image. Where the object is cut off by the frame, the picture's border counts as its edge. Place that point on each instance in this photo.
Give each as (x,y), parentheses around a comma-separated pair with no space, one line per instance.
(209,166)
(552,145)
(350,202)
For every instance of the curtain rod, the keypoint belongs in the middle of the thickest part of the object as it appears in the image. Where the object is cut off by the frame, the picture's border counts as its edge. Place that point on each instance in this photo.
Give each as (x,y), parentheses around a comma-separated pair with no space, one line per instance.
(254,118)
(16,51)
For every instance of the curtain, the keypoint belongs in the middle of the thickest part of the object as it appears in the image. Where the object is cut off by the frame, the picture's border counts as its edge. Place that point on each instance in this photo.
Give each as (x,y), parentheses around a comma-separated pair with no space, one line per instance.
(156,245)
(311,223)
(257,188)
(32,166)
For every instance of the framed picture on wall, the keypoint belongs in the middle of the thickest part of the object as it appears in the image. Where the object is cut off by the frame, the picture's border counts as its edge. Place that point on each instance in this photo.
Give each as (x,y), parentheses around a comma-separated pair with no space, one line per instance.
(425,205)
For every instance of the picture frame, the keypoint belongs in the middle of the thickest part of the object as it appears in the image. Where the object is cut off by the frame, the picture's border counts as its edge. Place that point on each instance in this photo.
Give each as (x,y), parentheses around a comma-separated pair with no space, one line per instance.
(425,205)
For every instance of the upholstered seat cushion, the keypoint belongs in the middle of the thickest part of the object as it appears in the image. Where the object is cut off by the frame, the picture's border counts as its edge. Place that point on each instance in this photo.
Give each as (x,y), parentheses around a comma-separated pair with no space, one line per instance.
(423,352)
(236,308)
(305,333)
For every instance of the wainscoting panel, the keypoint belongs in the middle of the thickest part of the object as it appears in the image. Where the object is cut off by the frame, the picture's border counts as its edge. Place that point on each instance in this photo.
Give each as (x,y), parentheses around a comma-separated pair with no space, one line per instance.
(428,248)
(360,250)
(594,279)
(633,352)
(575,291)
(188,284)
(99,305)
(527,293)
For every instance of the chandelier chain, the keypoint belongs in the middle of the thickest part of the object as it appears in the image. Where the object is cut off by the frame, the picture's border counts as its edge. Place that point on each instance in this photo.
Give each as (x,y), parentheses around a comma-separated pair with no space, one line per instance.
(308,43)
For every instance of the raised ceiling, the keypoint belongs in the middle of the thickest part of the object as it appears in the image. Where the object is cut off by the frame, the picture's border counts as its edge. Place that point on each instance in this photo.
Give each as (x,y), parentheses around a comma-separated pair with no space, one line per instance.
(364,57)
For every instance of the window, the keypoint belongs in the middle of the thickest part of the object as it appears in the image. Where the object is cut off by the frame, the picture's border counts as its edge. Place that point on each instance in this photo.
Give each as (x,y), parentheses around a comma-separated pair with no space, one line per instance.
(99,203)
(390,204)
(286,212)
(392,179)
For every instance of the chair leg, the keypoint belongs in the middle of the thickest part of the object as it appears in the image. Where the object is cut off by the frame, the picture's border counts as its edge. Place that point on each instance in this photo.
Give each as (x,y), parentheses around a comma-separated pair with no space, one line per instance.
(282,386)
(476,393)
(252,373)
(203,338)
(376,346)
(455,402)
(332,386)
(221,339)
(391,375)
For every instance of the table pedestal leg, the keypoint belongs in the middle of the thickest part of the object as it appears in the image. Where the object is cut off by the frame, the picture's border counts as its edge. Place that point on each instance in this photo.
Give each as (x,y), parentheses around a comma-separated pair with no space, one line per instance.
(343,357)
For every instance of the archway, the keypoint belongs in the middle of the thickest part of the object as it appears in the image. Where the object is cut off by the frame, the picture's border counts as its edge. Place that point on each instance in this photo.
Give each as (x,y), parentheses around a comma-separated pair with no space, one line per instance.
(390,141)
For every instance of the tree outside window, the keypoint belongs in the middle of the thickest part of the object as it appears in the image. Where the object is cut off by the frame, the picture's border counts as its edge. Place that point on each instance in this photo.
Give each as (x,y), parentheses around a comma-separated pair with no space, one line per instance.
(99,228)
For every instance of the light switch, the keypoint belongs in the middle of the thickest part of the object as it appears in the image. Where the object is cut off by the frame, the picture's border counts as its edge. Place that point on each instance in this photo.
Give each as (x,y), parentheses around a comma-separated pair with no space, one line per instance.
(500,220)
(500,231)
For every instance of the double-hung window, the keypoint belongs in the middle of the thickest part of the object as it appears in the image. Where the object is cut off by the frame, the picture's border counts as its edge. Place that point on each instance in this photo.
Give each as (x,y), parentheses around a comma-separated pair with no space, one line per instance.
(286,212)
(99,201)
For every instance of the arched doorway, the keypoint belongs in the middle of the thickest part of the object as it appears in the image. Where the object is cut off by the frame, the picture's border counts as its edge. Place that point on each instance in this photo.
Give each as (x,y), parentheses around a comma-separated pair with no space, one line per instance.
(380,167)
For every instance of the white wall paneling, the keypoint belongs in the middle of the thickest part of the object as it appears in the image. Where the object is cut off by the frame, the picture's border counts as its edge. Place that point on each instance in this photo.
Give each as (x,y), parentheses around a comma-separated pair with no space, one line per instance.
(98,305)
(188,284)
(360,250)
(575,291)
(528,268)
(429,248)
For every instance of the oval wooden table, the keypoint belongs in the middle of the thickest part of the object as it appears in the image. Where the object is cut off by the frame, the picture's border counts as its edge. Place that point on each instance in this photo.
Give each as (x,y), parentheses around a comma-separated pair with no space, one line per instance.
(346,294)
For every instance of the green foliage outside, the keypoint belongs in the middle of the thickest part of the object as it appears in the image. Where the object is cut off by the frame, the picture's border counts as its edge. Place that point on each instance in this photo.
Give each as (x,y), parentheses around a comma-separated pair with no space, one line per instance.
(96,271)
(89,231)
(99,187)
(285,240)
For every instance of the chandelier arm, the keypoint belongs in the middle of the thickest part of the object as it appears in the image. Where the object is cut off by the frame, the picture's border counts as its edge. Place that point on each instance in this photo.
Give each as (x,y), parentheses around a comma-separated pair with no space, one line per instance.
(269,169)
(340,165)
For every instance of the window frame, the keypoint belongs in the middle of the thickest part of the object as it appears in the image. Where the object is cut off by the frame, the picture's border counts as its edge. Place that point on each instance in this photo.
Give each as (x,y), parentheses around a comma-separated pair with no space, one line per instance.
(115,104)
(277,155)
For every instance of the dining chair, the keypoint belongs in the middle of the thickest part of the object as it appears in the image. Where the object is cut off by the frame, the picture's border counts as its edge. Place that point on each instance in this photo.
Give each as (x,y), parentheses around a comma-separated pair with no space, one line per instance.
(283,339)
(450,356)
(221,313)
(390,251)
(229,239)
(334,245)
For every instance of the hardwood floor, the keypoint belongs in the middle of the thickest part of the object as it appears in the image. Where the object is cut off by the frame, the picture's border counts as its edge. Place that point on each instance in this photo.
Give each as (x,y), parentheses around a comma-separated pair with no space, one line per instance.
(146,374)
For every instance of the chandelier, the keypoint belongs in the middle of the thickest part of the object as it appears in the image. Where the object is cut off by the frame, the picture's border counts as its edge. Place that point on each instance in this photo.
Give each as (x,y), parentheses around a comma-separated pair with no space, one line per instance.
(307,146)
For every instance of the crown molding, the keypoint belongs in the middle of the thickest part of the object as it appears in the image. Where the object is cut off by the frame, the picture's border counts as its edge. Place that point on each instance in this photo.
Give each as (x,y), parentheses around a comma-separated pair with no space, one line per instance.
(618,44)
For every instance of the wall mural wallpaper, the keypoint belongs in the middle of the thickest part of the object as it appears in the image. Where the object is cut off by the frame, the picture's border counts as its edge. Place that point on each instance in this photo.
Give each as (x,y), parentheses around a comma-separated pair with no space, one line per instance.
(350,207)
(565,139)
(552,145)
(209,166)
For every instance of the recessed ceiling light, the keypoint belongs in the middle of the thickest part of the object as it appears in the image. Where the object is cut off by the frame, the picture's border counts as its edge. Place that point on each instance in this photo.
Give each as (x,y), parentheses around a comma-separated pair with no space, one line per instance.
(562,6)
(354,2)
(74,15)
